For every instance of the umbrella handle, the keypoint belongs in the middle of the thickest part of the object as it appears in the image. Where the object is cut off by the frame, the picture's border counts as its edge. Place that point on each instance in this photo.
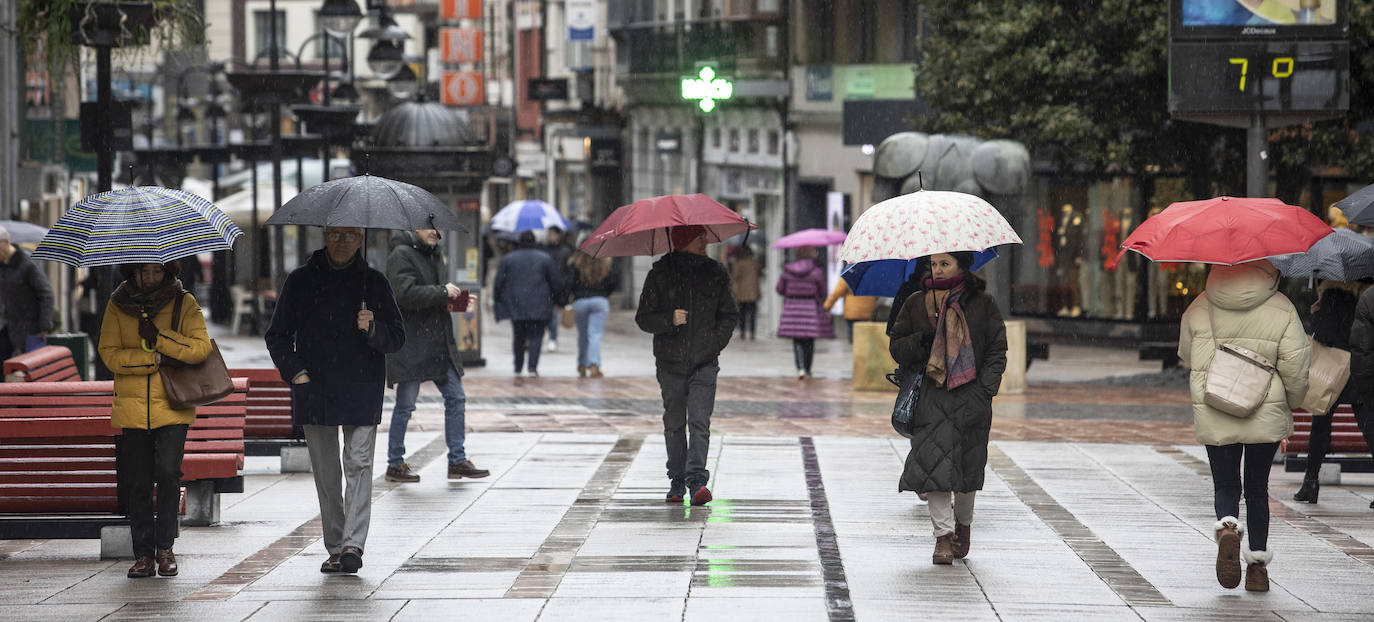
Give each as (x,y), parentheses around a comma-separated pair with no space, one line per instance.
(144,342)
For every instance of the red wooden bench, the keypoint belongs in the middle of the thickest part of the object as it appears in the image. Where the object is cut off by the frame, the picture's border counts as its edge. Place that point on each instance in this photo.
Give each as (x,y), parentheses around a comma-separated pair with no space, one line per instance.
(1345,439)
(46,364)
(57,458)
(268,428)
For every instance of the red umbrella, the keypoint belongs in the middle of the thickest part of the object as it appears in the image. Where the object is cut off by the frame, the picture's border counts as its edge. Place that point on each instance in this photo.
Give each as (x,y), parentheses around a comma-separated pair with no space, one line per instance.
(1225,230)
(641,228)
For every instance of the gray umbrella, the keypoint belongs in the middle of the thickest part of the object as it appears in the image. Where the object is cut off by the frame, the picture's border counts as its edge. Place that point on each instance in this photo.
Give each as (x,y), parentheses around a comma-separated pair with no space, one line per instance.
(1341,256)
(369,202)
(1359,207)
(22,232)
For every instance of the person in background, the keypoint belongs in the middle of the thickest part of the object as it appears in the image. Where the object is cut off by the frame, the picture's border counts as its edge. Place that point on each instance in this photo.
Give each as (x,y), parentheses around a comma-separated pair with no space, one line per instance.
(1242,305)
(26,300)
(687,305)
(856,308)
(526,282)
(334,357)
(136,343)
(418,275)
(952,331)
(745,274)
(1362,366)
(802,287)
(559,252)
(590,283)
(1333,314)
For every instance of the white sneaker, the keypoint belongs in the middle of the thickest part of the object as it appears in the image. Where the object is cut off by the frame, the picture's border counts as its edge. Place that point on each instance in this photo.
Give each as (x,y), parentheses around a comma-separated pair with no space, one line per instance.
(553,346)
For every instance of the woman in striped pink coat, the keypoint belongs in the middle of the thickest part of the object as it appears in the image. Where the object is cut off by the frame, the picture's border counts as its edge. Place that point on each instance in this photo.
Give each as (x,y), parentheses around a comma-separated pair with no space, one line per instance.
(803,319)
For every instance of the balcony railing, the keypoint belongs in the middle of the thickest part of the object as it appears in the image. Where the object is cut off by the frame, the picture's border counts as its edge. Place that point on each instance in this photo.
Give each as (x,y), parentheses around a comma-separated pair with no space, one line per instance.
(751,47)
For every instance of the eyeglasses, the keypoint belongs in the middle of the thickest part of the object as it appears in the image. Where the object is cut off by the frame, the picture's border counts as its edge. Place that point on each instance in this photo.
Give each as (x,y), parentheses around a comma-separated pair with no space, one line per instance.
(342,236)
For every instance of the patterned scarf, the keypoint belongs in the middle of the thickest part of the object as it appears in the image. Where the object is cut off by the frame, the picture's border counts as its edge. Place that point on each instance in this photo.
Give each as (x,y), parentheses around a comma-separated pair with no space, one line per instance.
(951,354)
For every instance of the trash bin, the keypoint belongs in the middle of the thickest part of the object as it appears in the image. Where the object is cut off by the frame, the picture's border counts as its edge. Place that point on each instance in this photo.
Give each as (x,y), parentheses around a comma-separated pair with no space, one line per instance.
(80,346)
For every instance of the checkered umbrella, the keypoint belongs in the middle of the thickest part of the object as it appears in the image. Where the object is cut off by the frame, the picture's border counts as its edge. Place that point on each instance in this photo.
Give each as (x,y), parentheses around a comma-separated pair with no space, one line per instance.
(144,224)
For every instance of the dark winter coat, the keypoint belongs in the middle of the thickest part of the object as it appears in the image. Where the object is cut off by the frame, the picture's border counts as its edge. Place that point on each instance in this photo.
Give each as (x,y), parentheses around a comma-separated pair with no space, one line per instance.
(418,277)
(1362,348)
(314,329)
(559,253)
(26,299)
(949,444)
(802,287)
(700,285)
(526,281)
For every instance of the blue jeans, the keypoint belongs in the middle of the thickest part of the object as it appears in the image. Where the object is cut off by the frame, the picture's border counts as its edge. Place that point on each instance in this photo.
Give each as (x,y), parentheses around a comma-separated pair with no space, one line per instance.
(590,314)
(553,323)
(455,407)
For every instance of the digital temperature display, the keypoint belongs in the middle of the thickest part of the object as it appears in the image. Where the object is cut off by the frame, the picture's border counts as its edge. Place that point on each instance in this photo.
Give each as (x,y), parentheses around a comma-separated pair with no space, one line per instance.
(1259,77)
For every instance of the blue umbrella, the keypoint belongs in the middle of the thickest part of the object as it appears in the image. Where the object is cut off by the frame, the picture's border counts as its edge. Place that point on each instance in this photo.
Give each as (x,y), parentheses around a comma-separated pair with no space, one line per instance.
(147,224)
(528,215)
(22,232)
(885,276)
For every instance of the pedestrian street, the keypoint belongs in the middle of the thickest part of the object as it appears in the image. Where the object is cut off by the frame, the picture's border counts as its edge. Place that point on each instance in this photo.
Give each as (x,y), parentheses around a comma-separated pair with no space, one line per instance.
(572,526)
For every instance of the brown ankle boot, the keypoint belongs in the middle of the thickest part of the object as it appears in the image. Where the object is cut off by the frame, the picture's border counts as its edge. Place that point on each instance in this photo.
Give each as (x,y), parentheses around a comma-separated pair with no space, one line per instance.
(143,567)
(961,540)
(581,371)
(594,371)
(166,562)
(1257,570)
(944,550)
(1228,532)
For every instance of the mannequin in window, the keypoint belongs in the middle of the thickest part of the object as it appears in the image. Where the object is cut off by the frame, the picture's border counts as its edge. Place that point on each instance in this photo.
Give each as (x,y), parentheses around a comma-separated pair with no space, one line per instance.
(1068,258)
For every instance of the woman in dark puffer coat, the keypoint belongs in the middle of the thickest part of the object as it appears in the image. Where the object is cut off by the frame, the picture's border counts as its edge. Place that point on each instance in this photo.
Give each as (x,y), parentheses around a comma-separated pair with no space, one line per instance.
(952,331)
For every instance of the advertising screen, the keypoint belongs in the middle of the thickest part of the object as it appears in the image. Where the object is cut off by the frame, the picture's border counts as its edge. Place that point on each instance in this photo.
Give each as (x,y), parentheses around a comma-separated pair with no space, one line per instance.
(1258,18)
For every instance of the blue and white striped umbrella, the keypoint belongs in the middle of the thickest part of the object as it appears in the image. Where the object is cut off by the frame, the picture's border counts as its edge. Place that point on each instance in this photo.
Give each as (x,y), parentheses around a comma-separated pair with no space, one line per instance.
(528,215)
(147,224)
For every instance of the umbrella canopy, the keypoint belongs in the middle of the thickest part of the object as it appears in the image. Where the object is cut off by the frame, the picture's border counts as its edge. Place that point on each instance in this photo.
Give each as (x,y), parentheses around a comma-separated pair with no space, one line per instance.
(147,224)
(810,237)
(1341,256)
(528,215)
(369,202)
(924,223)
(885,276)
(23,232)
(641,228)
(1359,207)
(1225,230)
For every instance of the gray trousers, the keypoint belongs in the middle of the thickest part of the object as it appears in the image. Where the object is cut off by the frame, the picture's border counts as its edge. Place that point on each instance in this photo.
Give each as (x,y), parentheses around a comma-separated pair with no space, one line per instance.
(944,512)
(347,512)
(687,404)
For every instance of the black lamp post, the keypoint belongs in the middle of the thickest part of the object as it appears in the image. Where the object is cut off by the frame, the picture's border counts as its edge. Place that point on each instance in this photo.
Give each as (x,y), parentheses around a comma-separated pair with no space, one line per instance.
(388,52)
(329,122)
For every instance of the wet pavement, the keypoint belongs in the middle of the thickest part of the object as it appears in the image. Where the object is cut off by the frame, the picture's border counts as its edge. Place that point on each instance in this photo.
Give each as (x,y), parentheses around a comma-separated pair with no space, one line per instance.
(1097,505)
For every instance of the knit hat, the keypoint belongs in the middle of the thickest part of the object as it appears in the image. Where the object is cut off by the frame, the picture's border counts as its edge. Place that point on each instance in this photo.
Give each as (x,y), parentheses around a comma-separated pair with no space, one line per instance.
(683,235)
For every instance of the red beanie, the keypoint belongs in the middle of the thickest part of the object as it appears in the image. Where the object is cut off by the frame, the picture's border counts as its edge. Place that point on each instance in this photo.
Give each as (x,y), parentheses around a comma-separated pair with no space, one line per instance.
(683,235)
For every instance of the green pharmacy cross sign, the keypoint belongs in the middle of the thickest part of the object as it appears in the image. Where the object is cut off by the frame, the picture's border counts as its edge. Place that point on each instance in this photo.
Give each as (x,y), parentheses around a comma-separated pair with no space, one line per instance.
(707,89)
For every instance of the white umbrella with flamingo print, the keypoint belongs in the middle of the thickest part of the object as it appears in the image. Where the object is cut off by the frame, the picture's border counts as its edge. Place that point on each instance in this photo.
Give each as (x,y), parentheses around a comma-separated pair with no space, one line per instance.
(926,222)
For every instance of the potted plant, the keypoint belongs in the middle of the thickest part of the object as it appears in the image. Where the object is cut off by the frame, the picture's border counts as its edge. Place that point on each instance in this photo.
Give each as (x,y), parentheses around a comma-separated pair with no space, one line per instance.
(58,28)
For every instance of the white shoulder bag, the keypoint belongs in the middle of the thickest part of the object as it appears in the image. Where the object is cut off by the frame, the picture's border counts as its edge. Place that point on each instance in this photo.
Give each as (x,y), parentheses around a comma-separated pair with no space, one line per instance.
(1238,378)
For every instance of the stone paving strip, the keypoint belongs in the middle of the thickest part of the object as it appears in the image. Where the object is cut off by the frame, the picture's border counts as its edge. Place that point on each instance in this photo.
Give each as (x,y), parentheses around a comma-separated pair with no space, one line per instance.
(573,527)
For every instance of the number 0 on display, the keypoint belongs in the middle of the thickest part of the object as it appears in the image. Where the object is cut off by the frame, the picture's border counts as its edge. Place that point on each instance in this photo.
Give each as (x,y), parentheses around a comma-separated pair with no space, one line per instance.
(1282,67)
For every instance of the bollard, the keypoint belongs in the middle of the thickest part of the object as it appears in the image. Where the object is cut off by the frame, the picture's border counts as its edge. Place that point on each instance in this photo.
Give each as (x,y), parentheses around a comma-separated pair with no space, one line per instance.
(1014,378)
(295,459)
(202,505)
(872,362)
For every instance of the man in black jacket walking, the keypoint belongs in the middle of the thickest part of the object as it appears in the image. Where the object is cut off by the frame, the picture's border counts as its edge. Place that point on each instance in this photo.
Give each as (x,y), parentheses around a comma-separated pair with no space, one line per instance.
(418,275)
(26,299)
(687,305)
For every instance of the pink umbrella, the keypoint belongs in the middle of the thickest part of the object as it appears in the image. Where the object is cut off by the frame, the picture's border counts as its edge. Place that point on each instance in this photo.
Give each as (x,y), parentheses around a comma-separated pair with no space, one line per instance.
(810,237)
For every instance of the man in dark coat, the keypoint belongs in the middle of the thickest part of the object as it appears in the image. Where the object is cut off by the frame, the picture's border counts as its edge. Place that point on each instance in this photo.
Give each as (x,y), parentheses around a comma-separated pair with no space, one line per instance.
(26,299)
(1362,366)
(334,356)
(687,305)
(526,281)
(559,251)
(417,273)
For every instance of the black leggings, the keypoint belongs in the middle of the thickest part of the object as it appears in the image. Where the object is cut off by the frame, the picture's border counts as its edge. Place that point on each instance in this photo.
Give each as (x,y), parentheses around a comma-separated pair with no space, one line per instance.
(748,317)
(803,351)
(1258,459)
(1319,440)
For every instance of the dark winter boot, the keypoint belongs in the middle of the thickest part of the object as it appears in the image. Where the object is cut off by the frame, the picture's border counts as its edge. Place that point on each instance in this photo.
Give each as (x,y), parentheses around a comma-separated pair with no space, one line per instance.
(944,550)
(1308,492)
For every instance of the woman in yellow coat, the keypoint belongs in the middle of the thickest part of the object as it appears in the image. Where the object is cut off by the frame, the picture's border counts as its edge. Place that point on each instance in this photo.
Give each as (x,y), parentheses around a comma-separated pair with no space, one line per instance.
(136,341)
(856,308)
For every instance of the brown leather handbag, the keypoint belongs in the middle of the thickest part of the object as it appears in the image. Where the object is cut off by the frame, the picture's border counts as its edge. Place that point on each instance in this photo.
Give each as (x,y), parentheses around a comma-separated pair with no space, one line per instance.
(187,385)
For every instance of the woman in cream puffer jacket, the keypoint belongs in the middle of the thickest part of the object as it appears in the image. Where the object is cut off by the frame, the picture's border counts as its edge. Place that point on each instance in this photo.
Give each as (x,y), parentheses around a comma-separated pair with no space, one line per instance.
(1249,312)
